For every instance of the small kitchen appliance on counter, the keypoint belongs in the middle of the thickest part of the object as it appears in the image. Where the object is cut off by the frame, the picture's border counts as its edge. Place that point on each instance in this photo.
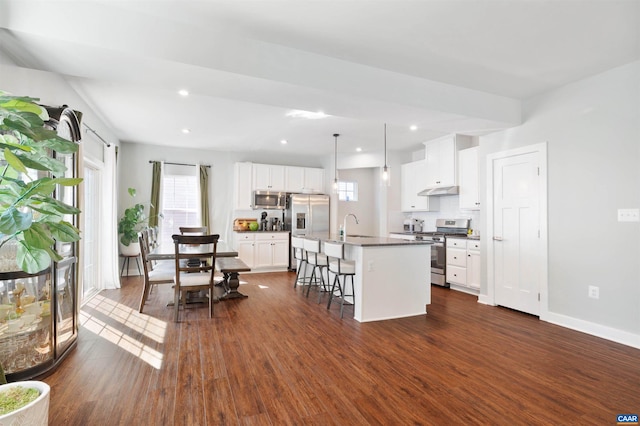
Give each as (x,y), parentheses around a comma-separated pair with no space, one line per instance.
(413,225)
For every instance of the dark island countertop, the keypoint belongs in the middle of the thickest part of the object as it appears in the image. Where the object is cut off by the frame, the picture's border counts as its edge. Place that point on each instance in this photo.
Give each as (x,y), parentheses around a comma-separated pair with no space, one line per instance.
(371,241)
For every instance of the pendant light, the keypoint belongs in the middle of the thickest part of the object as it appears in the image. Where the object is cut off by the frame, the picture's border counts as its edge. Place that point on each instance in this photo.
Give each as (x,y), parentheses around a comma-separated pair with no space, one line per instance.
(385,169)
(335,163)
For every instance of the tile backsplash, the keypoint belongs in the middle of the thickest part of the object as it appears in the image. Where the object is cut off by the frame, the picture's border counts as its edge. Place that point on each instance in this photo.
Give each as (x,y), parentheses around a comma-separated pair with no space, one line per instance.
(449,209)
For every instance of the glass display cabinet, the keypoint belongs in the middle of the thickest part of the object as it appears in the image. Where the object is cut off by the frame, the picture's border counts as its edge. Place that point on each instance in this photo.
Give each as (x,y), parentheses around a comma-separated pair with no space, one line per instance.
(39,312)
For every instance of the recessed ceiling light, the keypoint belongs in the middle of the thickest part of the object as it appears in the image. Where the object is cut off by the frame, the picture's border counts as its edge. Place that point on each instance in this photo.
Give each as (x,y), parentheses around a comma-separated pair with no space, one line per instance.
(307,114)
(185,131)
(283,141)
(358,149)
(413,128)
(183,92)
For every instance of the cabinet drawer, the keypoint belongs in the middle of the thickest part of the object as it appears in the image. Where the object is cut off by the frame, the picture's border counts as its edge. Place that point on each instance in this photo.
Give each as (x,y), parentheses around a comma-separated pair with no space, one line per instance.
(457,243)
(473,245)
(456,275)
(262,236)
(242,236)
(456,257)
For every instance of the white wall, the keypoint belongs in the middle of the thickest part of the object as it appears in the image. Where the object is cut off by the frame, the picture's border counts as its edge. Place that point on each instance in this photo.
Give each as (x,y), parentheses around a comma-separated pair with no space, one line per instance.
(592,128)
(365,208)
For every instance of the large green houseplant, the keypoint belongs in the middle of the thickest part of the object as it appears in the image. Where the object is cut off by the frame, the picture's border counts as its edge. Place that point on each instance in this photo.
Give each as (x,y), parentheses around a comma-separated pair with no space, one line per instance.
(131,222)
(29,214)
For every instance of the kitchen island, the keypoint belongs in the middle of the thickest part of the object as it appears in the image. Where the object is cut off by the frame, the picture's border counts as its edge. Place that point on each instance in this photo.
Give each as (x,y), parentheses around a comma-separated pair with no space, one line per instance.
(392,277)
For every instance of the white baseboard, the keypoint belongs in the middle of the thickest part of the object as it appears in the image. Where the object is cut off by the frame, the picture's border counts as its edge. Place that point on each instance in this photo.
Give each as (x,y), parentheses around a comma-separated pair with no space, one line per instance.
(602,331)
(484,299)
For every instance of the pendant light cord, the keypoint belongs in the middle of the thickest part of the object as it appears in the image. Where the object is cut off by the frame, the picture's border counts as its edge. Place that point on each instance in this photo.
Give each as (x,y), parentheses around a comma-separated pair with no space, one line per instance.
(385,169)
(335,161)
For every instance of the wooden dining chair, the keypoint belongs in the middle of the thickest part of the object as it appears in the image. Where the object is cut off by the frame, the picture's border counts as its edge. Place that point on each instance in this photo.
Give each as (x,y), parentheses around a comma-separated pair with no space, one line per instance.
(190,277)
(193,230)
(152,276)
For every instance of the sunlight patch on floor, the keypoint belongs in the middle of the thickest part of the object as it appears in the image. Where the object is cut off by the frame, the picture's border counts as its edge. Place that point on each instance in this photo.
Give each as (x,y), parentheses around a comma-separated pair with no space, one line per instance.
(149,327)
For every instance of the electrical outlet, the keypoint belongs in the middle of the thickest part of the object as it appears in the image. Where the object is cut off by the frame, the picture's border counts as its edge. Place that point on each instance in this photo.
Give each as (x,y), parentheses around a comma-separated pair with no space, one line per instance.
(370,266)
(594,292)
(628,215)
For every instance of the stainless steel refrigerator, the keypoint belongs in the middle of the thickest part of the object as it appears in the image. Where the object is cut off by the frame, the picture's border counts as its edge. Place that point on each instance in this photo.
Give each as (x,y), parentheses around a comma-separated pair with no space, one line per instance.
(307,214)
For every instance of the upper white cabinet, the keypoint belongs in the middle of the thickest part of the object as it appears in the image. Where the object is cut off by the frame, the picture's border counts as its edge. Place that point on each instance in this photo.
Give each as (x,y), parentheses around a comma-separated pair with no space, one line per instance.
(294,178)
(440,156)
(303,179)
(269,177)
(243,186)
(314,180)
(412,180)
(249,177)
(468,179)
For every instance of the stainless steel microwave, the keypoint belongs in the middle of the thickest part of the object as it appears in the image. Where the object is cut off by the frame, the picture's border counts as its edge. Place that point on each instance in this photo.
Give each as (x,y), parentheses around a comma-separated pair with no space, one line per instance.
(269,200)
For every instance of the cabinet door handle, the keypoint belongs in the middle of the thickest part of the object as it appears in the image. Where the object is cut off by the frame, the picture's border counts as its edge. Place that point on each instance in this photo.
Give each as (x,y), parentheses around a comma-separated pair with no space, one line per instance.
(497,238)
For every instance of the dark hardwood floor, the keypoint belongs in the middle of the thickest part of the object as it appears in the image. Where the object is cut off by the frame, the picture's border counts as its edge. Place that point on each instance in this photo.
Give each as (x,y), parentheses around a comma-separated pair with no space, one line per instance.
(279,358)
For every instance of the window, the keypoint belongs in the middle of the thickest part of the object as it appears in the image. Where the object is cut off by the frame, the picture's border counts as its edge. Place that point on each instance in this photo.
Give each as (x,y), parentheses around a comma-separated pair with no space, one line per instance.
(347,191)
(179,204)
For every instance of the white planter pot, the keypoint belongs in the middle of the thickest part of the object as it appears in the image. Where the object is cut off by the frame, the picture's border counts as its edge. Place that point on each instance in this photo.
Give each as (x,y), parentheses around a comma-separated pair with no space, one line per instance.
(132,249)
(35,413)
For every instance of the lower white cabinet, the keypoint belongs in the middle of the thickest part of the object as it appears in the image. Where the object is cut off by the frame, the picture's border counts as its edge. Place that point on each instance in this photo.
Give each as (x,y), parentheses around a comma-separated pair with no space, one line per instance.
(463,264)
(473,264)
(263,250)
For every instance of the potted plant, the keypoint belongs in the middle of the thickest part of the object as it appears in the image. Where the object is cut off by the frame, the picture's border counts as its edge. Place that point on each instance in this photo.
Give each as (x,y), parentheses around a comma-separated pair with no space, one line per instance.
(35,412)
(31,220)
(132,222)
(30,217)
(23,402)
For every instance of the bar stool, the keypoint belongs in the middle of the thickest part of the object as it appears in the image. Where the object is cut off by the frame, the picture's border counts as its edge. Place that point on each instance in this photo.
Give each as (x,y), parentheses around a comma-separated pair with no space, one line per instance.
(300,254)
(318,261)
(340,267)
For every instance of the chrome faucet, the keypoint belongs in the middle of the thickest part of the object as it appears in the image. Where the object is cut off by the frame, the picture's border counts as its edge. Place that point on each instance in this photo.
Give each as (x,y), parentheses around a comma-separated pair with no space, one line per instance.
(344,223)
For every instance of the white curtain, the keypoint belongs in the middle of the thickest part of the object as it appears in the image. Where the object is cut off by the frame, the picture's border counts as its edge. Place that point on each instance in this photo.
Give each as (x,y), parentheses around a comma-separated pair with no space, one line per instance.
(109,233)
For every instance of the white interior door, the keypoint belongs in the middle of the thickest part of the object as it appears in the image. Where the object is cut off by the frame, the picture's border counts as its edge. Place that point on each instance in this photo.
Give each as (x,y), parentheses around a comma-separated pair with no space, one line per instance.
(516,232)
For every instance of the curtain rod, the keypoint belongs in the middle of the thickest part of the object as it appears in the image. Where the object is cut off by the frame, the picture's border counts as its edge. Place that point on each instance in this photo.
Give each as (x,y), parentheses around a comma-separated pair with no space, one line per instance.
(97,135)
(180,164)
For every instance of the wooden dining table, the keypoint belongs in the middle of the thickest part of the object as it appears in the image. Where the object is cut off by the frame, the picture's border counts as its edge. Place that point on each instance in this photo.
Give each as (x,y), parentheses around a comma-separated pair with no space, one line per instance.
(168,252)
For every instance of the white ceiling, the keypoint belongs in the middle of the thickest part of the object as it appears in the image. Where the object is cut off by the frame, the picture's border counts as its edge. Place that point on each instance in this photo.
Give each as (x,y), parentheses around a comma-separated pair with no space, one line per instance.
(445,66)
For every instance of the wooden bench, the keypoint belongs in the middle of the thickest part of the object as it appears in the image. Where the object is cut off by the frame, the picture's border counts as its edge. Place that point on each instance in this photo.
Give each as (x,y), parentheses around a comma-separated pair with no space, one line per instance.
(231,268)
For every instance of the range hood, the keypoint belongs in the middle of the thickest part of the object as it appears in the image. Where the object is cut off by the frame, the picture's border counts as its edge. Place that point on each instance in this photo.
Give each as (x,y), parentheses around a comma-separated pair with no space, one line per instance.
(441,190)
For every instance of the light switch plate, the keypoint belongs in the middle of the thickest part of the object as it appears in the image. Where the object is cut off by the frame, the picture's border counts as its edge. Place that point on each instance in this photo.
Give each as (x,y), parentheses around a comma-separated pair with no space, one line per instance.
(628,215)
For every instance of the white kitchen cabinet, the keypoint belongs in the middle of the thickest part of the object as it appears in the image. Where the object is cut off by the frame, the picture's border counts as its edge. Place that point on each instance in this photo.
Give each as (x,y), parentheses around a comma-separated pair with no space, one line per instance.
(463,264)
(245,246)
(243,186)
(314,180)
(473,264)
(468,179)
(413,180)
(304,179)
(294,178)
(269,177)
(441,159)
(263,250)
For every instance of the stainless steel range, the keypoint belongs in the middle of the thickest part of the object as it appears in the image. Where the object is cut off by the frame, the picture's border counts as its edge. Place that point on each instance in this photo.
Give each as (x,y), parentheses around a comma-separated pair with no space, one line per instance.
(444,228)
